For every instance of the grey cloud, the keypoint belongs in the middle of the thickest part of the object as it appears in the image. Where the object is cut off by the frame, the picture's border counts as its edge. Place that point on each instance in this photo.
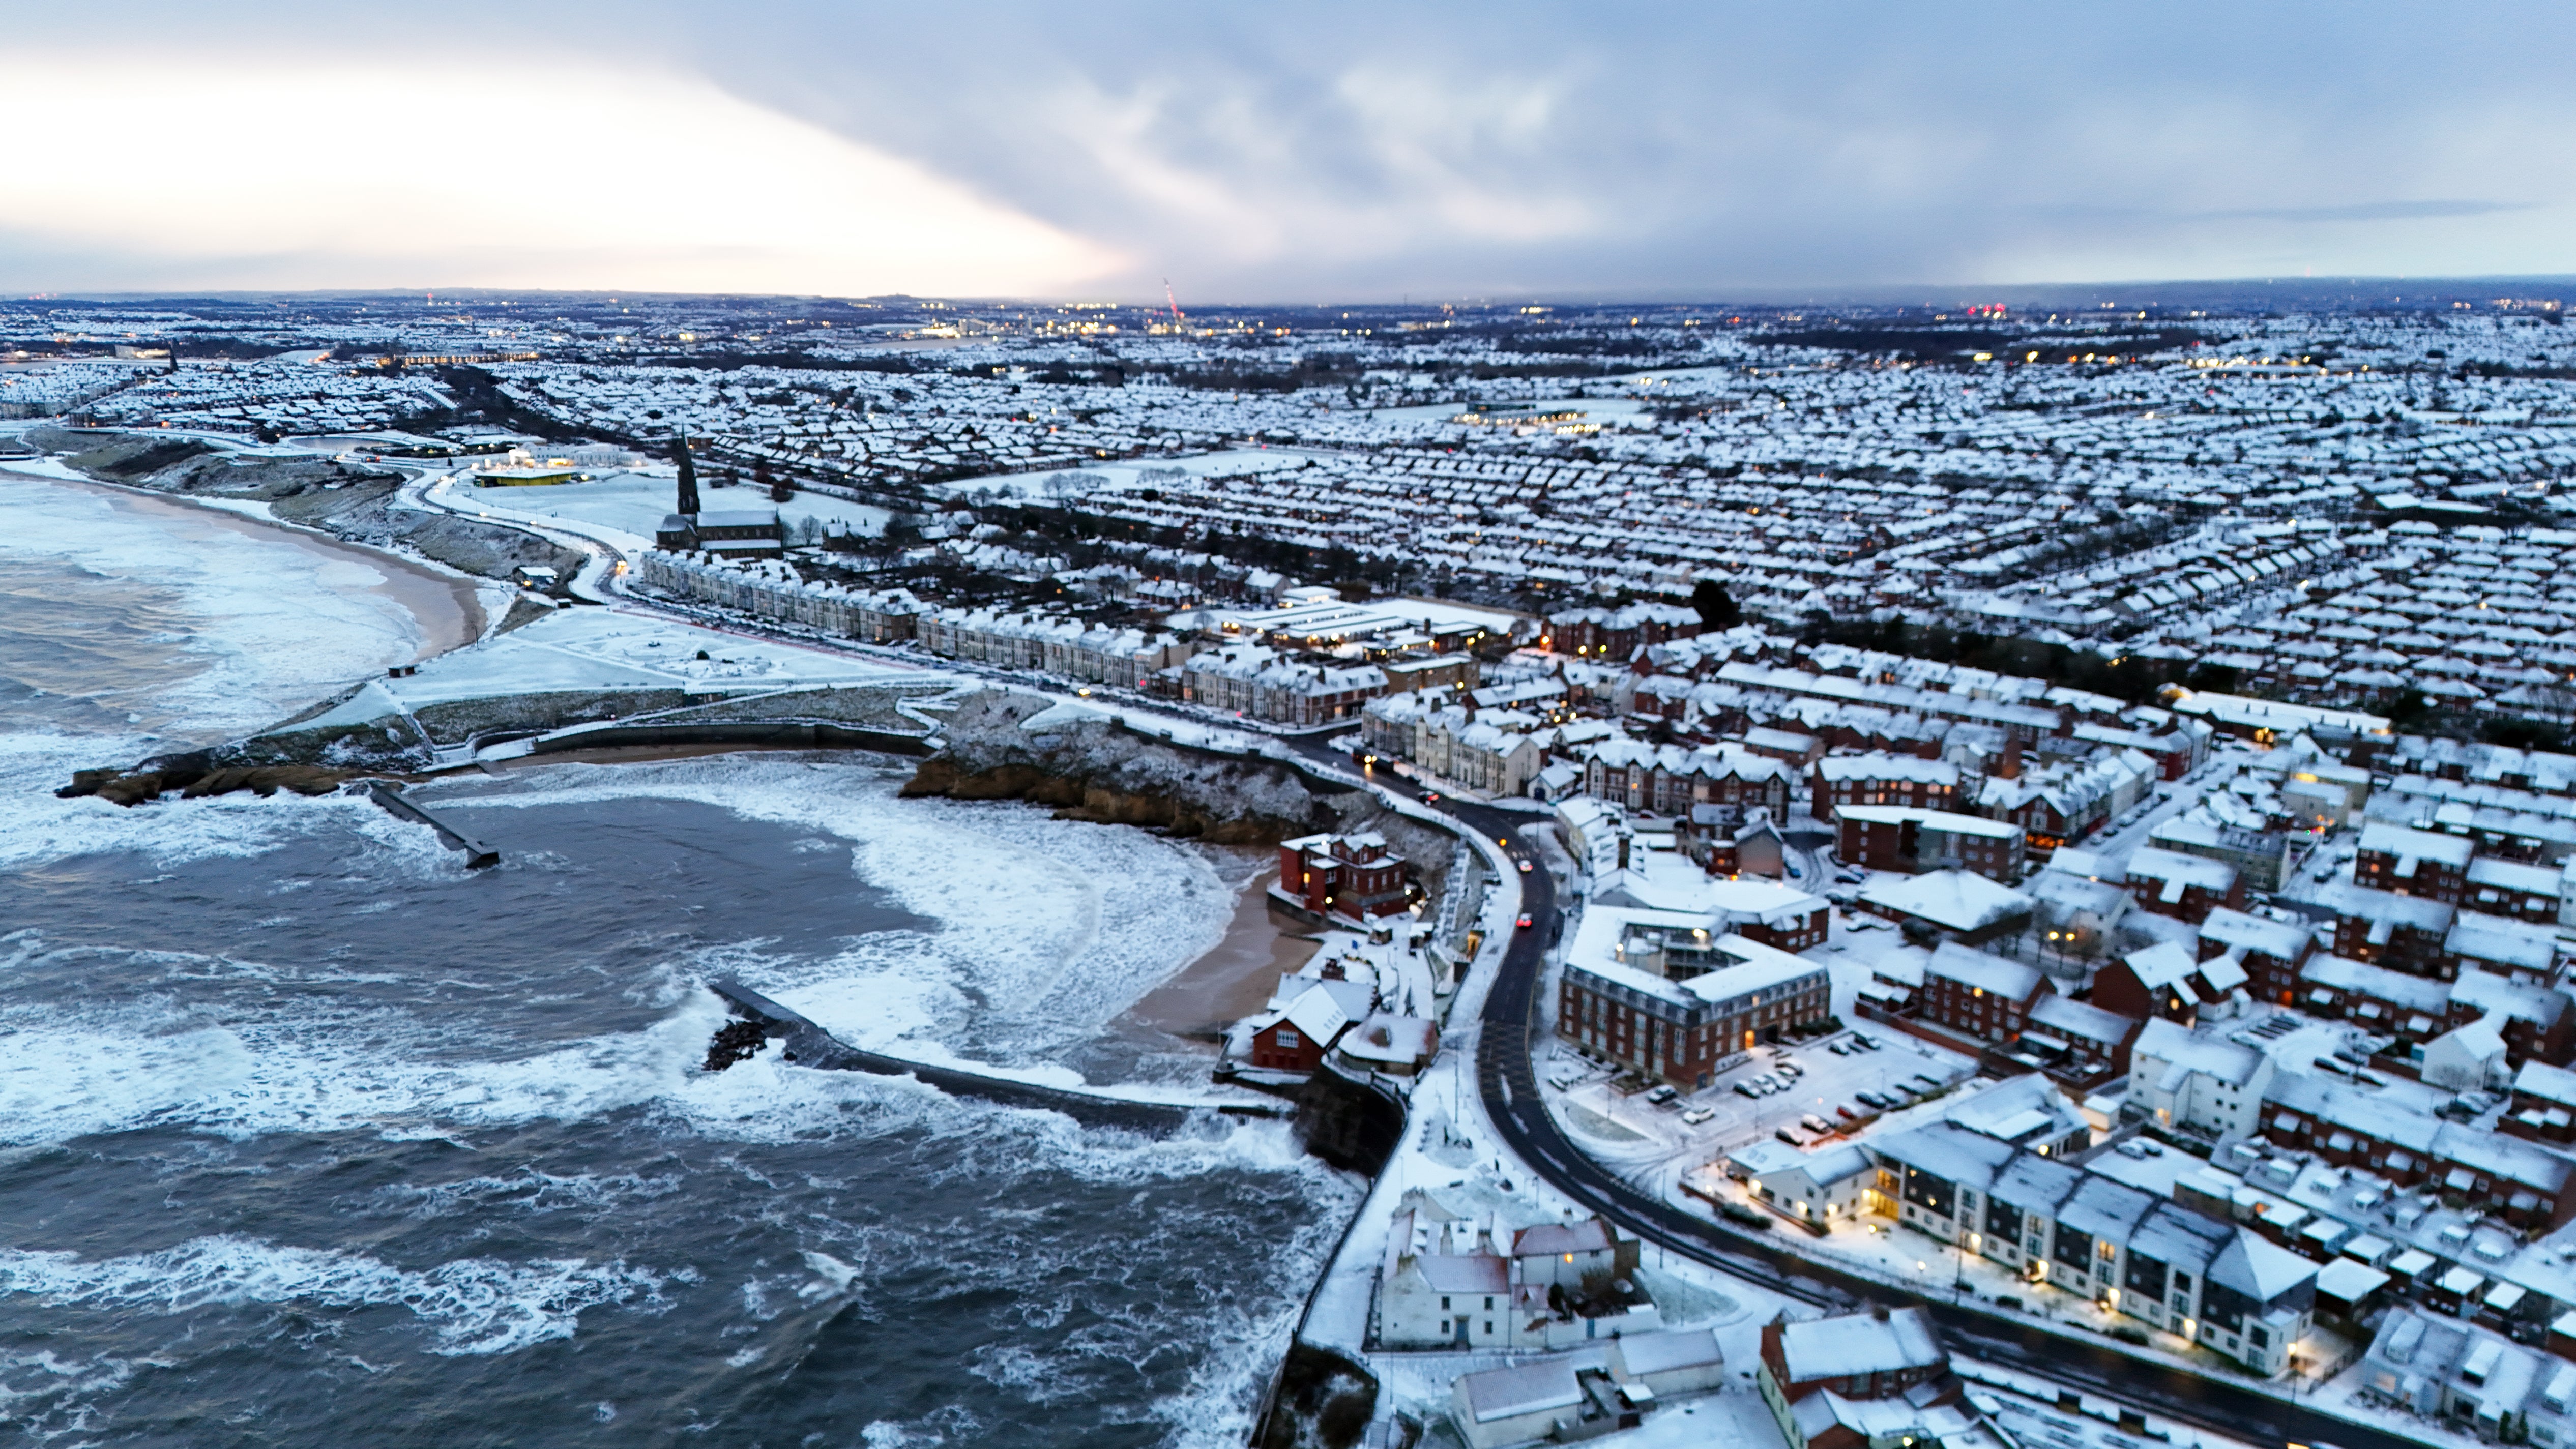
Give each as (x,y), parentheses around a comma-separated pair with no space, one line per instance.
(1344,149)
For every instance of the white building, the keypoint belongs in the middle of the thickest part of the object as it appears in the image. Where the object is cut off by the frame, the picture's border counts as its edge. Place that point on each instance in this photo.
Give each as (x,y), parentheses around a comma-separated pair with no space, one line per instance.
(2197,1082)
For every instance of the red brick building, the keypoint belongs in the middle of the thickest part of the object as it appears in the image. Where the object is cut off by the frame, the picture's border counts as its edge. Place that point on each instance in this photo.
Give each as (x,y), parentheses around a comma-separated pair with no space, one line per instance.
(2511,888)
(1854,1381)
(1620,632)
(1881,779)
(1898,837)
(1780,916)
(2160,980)
(1355,876)
(2269,952)
(1295,1038)
(2419,863)
(2185,887)
(1980,995)
(2402,933)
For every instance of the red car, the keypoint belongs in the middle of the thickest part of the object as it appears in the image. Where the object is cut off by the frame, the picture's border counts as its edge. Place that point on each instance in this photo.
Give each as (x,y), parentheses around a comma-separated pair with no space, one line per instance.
(1524,921)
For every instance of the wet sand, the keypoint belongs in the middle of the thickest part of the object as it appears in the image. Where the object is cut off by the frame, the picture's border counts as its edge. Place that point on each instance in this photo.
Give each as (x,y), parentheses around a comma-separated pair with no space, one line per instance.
(450,612)
(1235,978)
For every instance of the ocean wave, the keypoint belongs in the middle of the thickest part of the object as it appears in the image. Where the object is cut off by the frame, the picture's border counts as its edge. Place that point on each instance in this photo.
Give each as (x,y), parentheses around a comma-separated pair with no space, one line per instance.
(270,622)
(1047,929)
(471,1306)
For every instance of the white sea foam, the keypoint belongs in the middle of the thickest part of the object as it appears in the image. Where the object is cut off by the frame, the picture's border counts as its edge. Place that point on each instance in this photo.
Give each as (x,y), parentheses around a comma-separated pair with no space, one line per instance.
(471,1305)
(1048,929)
(282,623)
(36,827)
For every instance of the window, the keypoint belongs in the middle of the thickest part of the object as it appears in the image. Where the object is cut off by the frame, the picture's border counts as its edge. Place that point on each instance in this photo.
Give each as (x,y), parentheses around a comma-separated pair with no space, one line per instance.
(1444,1305)
(1287,1040)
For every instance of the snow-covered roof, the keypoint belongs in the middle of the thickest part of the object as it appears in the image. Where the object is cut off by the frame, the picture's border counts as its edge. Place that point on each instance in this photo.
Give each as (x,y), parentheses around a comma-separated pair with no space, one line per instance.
(1860,1343)
(1956,899)
(2012,980)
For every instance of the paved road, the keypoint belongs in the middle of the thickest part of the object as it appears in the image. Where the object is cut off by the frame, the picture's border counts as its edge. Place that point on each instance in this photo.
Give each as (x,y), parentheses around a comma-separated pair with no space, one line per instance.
(1508,1084)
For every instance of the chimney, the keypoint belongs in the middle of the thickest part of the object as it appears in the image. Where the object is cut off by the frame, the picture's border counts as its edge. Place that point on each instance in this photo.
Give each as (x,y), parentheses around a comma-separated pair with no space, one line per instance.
(1878,1311)
(2009,767)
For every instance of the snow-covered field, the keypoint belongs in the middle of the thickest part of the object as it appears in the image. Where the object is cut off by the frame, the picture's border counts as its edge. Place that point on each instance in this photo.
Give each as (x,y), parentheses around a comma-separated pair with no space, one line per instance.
(619,649)
(636,502)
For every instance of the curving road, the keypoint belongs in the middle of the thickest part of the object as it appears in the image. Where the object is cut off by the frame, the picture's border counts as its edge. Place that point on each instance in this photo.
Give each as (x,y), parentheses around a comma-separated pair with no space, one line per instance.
(1507,1082)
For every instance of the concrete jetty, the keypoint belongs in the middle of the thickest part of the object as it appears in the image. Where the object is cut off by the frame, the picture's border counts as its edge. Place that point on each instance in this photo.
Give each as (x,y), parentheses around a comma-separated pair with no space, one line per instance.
(394,802)
(808,1045)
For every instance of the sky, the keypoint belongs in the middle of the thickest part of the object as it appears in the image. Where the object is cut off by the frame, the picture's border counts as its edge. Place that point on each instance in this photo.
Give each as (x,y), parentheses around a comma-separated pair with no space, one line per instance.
(1281,152)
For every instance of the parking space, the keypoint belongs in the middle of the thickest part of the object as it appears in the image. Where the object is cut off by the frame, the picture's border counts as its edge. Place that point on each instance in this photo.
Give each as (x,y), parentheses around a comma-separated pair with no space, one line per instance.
(1785,1087)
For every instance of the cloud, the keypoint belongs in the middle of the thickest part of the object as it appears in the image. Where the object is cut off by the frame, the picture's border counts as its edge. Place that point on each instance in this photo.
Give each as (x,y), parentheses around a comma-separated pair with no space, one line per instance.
(218,171)
(1347,150)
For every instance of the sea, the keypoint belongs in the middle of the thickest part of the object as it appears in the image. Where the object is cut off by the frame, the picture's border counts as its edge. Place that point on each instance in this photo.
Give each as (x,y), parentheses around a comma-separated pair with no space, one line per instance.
(310,1135)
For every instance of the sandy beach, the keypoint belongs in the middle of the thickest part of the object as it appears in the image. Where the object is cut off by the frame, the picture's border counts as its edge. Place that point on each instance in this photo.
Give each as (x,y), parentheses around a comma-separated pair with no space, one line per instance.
(1235,978)
(448,606)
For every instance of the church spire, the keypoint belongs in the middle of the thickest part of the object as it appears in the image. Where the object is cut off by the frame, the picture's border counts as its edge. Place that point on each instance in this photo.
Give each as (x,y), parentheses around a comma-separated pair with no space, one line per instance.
(688,476)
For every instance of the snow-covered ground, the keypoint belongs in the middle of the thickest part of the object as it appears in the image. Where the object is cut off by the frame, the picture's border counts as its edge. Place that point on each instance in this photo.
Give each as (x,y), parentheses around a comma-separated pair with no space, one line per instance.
(619,649)
(636,502)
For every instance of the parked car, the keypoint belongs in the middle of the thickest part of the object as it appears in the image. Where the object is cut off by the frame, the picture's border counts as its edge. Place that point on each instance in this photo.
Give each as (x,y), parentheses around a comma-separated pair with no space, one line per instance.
(1662,1094)
(1792,1138)
(1814,1123)
(1697,1115)
(1746,1089)
(1839,1049)
(1847,1114)
(1873,1099)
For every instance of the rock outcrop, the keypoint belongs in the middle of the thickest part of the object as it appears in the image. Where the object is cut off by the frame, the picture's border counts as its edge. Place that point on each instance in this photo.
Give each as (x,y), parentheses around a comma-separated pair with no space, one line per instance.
(1091,768)
(198,774)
